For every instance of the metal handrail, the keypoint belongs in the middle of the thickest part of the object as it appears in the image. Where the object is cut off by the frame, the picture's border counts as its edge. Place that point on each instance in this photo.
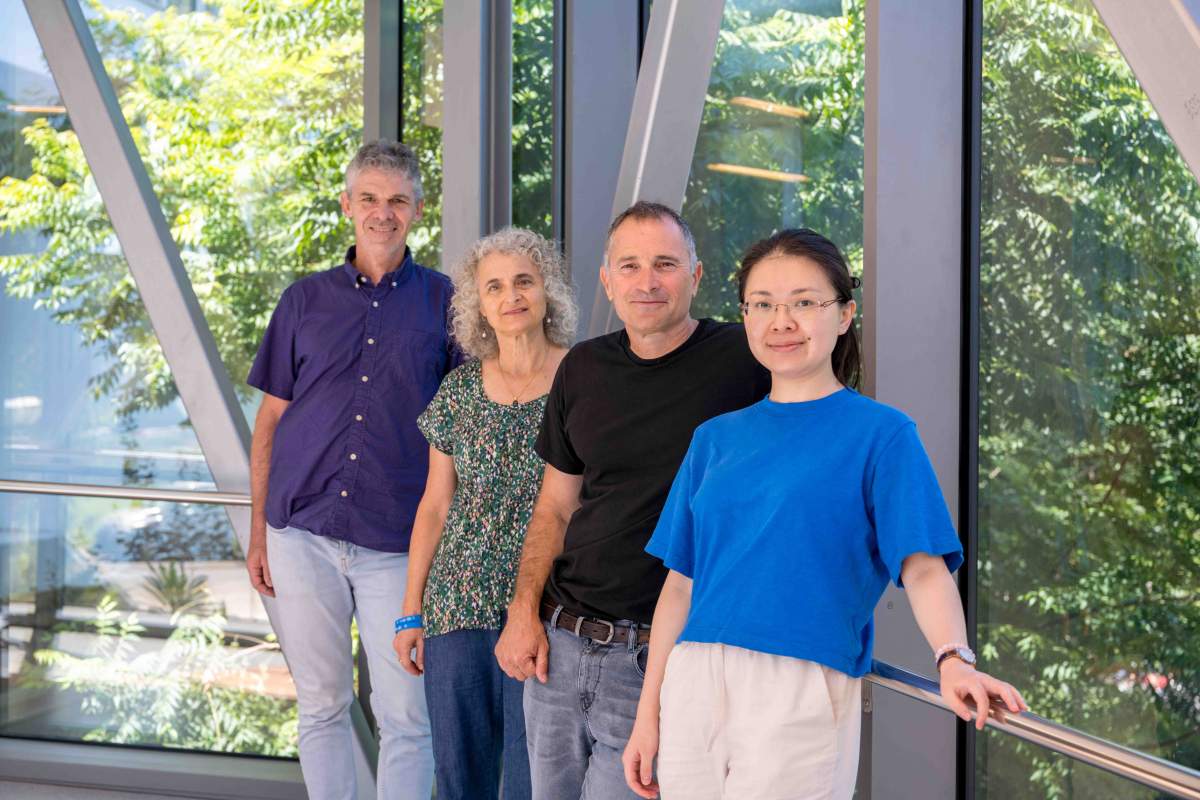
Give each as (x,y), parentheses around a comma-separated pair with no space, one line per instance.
(1122,761)
(125,492)
(1131,764)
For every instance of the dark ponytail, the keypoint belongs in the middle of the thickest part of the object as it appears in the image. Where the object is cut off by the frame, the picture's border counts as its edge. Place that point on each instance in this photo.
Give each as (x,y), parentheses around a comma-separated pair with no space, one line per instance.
(805,243)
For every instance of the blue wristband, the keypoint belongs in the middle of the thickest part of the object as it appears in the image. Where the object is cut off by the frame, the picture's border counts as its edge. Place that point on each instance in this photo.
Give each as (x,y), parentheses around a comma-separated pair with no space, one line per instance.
(411,621)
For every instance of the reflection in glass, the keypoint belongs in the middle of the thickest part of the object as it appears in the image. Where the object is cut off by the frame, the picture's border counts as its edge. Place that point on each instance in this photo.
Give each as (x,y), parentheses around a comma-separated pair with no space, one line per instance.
(133,623)
(533,115)
(780,143)
(421,118)
(1076,778)
(85,394)
(245,115)
(1089,495)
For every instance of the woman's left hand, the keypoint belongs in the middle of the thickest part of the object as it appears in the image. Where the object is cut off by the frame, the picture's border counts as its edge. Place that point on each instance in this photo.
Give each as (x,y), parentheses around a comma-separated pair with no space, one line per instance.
(960,680)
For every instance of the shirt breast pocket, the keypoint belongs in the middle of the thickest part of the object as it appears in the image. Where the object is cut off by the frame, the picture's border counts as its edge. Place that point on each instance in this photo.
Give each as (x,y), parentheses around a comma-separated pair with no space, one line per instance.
(417,357)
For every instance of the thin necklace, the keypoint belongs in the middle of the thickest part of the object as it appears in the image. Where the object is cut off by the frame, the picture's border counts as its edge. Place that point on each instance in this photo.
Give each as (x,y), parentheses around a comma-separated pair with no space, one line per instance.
(517,395)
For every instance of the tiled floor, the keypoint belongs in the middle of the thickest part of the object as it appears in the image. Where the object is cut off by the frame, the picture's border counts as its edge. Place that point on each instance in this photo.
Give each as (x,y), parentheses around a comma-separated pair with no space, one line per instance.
(37,791)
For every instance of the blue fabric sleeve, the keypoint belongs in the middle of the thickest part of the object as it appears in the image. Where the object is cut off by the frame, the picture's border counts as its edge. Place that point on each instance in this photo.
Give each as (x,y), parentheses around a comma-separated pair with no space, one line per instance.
(274,369)
(908,508)
(674,538)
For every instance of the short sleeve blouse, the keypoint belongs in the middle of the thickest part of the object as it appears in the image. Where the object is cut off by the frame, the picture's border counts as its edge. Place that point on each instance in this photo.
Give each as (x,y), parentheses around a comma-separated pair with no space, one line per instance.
(499,474)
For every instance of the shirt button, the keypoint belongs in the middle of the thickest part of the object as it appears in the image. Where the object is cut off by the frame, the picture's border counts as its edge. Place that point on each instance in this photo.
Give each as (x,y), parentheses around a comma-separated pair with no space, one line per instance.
(354,456)
(393,283)
(358,417)
(370,341)
(375,303)
(345,493)
(364,378)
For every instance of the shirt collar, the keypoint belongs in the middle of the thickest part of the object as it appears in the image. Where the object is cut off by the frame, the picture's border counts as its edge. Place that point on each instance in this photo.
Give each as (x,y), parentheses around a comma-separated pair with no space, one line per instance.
(397,275)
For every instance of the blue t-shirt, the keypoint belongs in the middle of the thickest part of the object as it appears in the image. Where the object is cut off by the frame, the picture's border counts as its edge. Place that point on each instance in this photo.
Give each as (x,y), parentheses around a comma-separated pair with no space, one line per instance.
(791,517)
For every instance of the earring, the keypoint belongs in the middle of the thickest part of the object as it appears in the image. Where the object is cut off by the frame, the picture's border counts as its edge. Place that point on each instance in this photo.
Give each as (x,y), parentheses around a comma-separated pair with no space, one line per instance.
(483,334)
(548,319)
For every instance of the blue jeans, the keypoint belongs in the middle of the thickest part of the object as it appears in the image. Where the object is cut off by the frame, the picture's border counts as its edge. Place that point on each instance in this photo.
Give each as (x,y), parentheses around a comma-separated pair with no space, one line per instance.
(320,584)
(579,721)
(478,723)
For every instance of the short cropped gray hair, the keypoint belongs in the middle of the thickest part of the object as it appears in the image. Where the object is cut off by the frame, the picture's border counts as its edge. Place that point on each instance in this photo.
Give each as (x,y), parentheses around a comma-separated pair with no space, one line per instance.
(646,210)
(468,323)
(387,155)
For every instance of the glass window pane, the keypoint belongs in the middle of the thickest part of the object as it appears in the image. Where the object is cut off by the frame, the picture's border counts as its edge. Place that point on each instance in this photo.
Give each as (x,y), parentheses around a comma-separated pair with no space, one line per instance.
(87,395)
(245,115)
(1089,497)
(533,115)
(133,623)
(422,118)
(1077,778)
(780,144)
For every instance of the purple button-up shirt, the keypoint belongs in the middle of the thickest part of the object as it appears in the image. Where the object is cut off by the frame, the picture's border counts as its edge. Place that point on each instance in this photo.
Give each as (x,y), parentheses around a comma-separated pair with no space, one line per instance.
(358,363)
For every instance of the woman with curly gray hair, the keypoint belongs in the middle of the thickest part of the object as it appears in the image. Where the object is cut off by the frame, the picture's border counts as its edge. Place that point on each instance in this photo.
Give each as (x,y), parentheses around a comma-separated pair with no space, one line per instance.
(514,312)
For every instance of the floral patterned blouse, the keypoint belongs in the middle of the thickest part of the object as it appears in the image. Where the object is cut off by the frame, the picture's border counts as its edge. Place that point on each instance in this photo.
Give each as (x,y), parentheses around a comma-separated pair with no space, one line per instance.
(475,567)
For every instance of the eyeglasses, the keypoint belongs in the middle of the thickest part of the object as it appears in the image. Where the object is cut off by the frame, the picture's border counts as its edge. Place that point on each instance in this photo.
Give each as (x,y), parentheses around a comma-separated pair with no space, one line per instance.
(804,307)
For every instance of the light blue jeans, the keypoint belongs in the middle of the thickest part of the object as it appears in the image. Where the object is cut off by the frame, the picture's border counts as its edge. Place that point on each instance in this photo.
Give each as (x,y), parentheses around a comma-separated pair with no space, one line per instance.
(578,723)
(320,583)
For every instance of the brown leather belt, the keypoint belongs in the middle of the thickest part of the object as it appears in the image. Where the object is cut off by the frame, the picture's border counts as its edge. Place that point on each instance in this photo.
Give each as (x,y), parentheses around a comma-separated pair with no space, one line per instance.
(600,631)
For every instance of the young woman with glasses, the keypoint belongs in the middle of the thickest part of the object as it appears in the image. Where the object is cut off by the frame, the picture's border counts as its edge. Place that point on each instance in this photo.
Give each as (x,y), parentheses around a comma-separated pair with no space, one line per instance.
(784,525)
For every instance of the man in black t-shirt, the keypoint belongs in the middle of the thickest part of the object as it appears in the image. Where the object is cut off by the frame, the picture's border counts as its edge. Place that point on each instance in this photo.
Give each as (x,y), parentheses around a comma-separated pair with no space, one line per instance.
(619,419)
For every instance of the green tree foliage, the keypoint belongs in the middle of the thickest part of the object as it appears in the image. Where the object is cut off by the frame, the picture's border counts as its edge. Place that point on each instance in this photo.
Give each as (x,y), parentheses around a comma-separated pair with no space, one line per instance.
(533,115)
(812,62)
(196,690)
(244,118)
(1090,396)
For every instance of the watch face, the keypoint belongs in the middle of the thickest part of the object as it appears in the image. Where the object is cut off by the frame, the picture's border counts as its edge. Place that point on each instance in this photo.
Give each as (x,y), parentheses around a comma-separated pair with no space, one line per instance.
(966,655)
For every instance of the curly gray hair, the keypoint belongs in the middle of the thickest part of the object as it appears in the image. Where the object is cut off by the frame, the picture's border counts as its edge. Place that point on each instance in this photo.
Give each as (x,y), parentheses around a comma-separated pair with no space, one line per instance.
(389,156)
(468,323)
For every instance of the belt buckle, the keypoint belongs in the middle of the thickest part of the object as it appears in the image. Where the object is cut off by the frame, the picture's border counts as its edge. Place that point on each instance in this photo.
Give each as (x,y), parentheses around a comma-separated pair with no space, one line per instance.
(612,631)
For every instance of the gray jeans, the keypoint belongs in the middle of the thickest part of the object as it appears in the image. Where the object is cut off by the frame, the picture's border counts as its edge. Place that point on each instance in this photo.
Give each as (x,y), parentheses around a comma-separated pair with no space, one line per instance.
(578,722)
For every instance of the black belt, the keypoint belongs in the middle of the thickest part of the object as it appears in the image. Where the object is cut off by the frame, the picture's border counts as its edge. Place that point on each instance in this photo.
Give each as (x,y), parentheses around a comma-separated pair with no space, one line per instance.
(600,631)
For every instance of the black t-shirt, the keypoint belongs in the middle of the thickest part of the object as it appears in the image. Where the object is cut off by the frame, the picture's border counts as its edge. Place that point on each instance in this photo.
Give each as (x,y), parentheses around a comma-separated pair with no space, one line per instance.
(624,423)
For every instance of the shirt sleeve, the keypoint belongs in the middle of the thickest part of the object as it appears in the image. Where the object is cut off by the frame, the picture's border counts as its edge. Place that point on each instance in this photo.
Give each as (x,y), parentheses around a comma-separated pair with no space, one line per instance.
(908,508)
(275,369)
(436,422)
(674,538)
(554,442)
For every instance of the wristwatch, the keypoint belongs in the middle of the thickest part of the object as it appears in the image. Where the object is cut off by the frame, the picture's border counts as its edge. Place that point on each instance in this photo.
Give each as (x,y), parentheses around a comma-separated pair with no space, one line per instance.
(963,653)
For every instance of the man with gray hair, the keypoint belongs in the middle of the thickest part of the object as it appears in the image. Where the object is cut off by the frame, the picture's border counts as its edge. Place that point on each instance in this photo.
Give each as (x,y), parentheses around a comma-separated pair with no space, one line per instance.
(351,357)
(618,421)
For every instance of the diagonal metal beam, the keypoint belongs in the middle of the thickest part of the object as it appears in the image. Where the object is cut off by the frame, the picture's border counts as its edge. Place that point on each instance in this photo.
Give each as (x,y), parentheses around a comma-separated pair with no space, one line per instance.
(1160,40)
(146,240)
(668,104)
(158,270)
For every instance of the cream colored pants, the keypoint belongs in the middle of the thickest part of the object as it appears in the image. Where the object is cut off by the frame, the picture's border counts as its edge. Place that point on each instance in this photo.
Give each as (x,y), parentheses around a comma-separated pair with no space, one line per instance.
(738,724)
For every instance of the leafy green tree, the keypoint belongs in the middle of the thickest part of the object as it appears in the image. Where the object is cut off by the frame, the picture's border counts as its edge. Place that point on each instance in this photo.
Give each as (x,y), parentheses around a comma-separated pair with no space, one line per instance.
(533,115)
(244,118)
(1090,409)
(196,691)
(813,66)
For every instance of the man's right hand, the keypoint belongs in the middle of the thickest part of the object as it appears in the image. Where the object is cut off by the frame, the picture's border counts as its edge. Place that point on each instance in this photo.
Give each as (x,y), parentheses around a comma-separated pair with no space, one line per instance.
(256,565)
(523,650)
